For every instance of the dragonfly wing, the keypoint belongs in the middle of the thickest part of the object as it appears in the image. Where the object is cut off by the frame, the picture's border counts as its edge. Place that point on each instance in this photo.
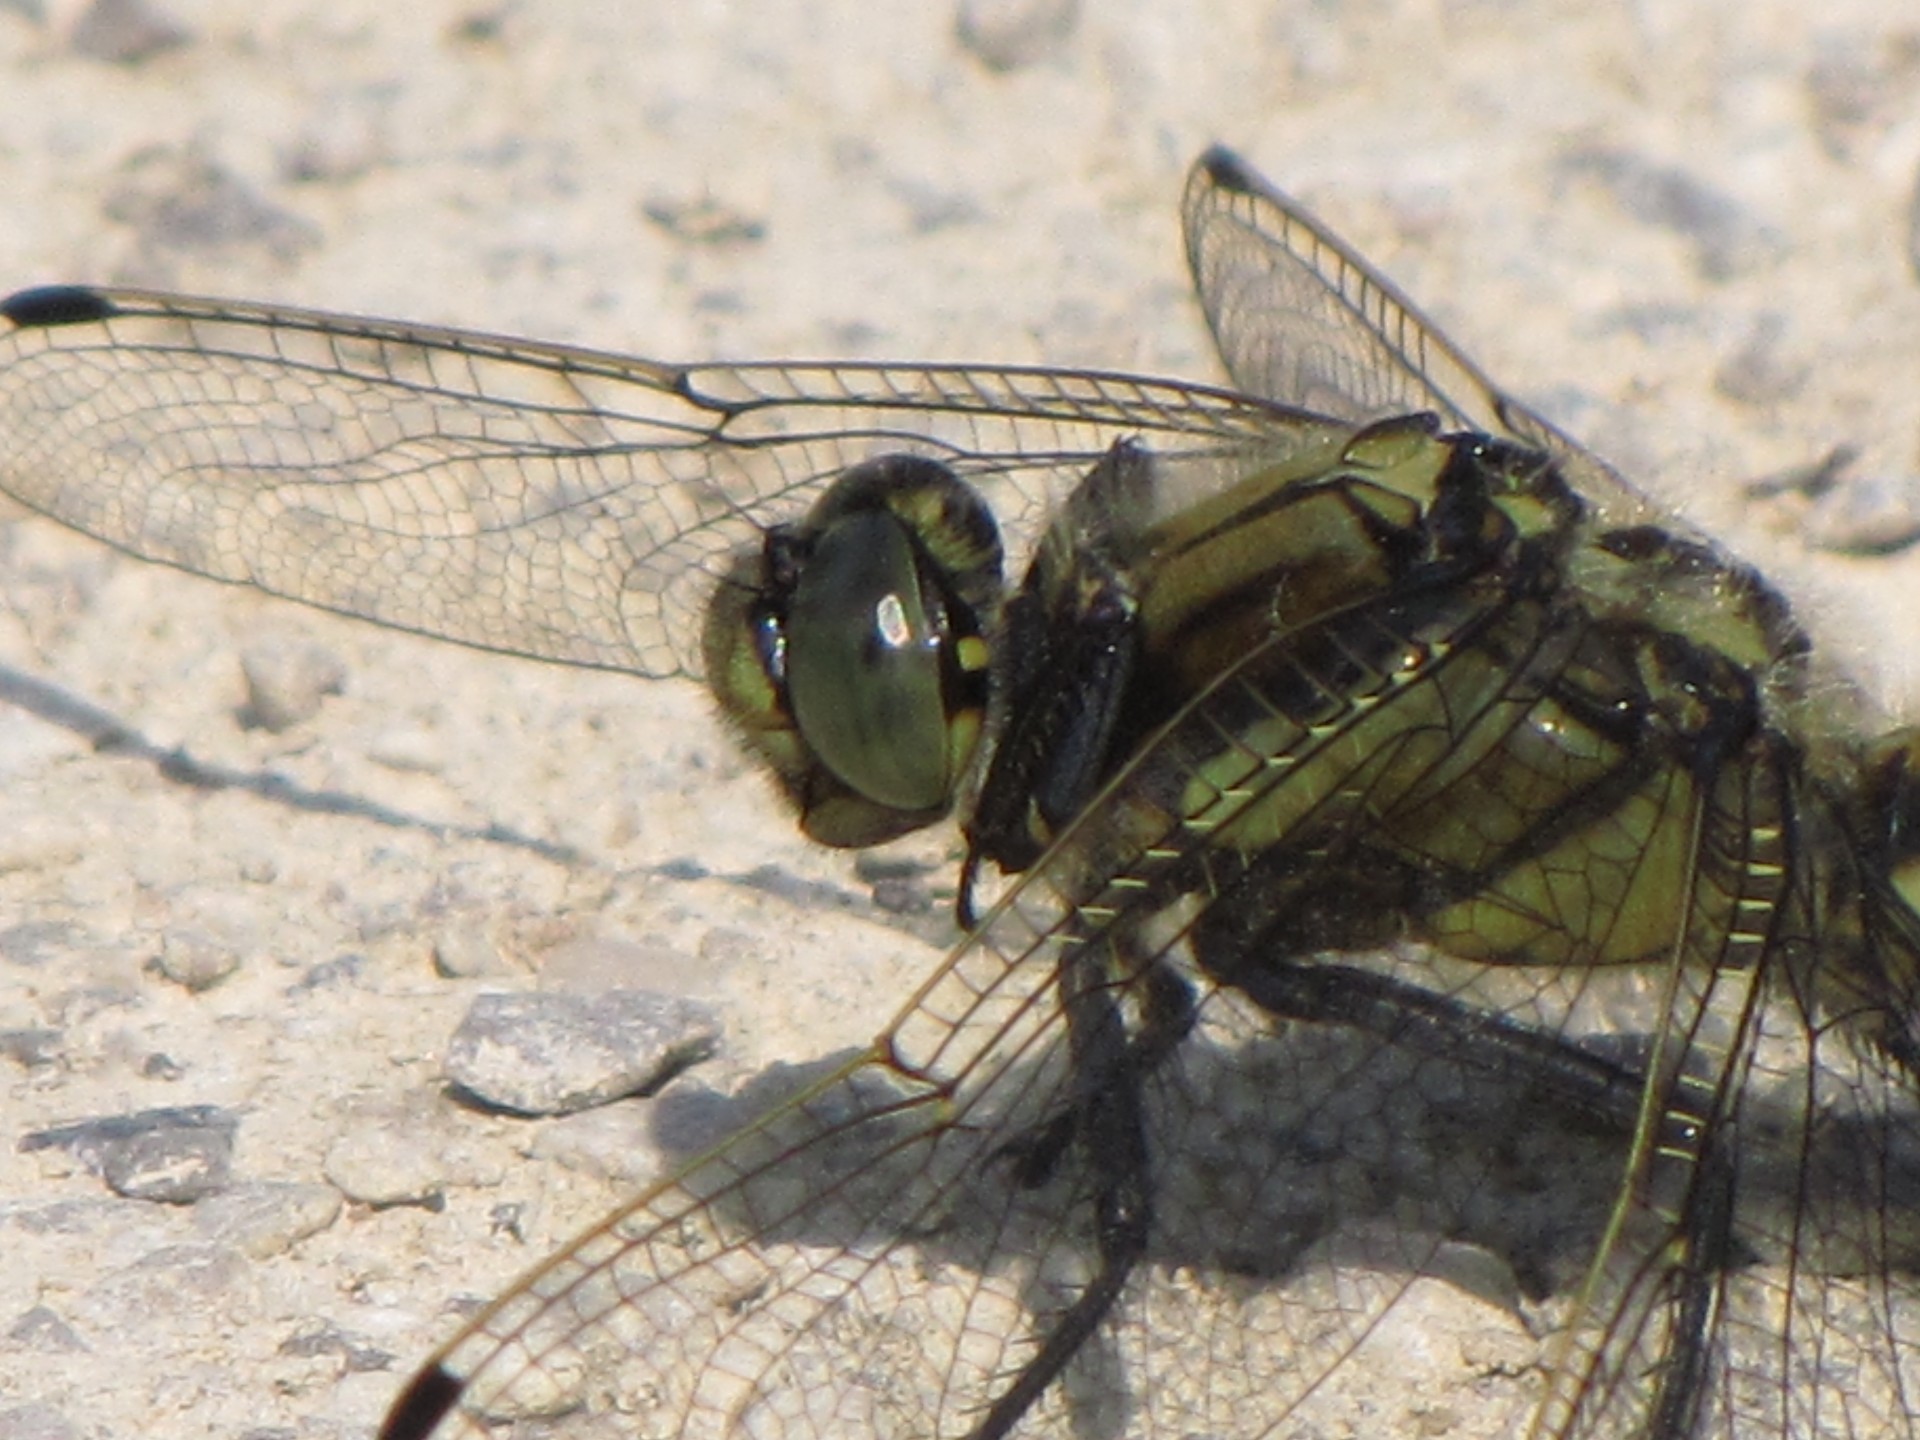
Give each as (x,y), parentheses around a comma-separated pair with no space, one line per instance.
(535,499)
(895,1211)
(1771,1295)
(857,1218)
(1301,318)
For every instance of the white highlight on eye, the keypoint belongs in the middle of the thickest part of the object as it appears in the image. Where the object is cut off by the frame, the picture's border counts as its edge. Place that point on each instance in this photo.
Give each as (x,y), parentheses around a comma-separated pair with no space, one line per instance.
(890,622)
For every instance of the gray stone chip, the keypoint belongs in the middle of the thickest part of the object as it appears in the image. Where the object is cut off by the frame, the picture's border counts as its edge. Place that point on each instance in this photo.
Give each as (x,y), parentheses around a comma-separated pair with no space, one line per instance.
(175,1154)
(553,1054)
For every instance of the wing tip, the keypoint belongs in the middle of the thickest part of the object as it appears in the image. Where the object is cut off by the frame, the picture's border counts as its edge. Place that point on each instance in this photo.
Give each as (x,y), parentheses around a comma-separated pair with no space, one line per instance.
(1227,170)
(428,1399)
(49,305)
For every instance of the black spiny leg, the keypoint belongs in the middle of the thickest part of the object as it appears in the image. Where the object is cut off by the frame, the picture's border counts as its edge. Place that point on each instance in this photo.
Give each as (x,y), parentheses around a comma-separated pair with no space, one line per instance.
(1606,1090)
(1111,1067)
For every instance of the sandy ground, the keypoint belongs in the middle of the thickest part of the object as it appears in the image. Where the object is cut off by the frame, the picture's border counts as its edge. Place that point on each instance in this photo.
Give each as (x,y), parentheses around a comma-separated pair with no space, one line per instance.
(1685,229)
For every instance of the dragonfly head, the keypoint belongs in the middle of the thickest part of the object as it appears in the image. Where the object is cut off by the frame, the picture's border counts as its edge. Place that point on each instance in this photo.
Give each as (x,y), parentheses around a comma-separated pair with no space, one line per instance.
(851,652)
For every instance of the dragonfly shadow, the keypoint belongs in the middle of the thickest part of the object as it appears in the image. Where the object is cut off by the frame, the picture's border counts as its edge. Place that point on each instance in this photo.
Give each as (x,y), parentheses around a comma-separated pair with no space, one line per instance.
(1287,1163)
(1303,1179)
(110,735)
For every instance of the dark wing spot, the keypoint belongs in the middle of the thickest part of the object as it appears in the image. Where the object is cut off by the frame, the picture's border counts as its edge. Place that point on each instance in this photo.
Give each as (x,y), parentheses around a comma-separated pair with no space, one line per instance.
(46,305)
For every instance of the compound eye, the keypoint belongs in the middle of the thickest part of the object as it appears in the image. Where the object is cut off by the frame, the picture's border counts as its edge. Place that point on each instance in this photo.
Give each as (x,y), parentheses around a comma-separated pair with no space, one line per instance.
(864,663)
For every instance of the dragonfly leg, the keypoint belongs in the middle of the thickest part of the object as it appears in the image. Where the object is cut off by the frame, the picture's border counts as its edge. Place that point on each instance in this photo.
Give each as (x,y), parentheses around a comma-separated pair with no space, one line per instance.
(1112,1062)
(1602,1088)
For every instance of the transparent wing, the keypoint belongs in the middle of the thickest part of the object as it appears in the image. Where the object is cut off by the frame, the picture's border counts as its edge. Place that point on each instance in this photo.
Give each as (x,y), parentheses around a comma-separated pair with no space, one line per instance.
(1648,1350)
(883,1253)
(544,501)
(1302,319)
(1770,1292)
(1818,1325)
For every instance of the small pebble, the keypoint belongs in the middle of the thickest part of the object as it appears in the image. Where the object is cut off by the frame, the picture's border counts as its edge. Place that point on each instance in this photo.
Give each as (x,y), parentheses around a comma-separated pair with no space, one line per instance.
(126,32)
(287,682)
(388,1160)
(345,137)
(262,1219)
(41,1328)
(173,1155)
(195,959)
(180,203)
(171,1166)
(1500,1350)
(549,1054)
(410,750)
(161,1066)
(704,220)
(340,972)
(464,950)
(32,1047)
(1872,514)
(1012,34)
(355,1354)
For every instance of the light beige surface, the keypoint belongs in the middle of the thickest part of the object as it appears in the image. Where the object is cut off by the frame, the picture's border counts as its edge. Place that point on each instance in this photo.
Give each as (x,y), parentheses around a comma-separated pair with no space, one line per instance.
(495,168)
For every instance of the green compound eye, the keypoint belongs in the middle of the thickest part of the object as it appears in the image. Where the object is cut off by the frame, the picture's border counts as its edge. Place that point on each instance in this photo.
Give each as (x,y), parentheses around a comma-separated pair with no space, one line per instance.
(864,641)
(851,648)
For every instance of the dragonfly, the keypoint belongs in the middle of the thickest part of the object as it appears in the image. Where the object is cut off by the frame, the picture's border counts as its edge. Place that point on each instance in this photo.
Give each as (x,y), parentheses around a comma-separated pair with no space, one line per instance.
(1395,851)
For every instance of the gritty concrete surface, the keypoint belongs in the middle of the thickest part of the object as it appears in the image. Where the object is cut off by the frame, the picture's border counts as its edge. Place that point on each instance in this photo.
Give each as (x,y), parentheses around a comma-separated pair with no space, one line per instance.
(1685,229)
